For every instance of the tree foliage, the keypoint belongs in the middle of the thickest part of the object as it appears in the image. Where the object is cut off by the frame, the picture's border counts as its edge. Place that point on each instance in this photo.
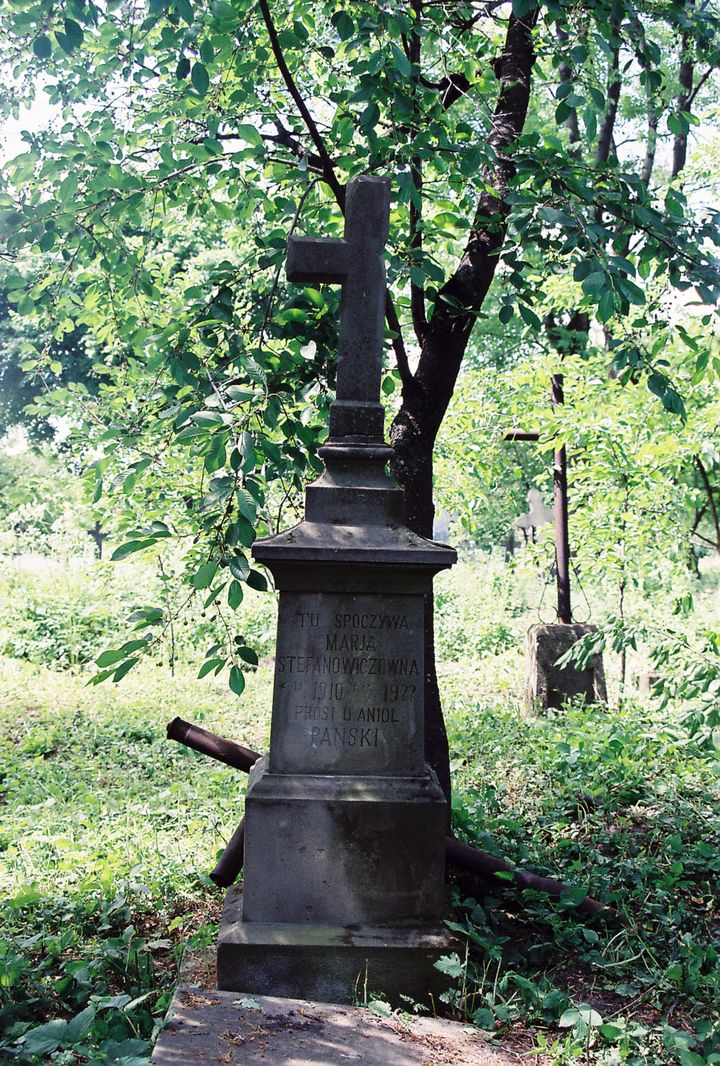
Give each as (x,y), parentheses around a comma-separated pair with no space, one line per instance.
(538,158)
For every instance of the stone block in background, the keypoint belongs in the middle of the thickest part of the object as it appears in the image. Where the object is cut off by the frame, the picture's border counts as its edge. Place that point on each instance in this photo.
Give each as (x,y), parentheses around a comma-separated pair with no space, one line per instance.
(548,685)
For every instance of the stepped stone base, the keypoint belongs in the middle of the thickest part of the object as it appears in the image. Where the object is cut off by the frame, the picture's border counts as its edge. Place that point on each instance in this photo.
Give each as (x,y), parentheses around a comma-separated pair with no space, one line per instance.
(328,963)
(211,1027)
(548,685)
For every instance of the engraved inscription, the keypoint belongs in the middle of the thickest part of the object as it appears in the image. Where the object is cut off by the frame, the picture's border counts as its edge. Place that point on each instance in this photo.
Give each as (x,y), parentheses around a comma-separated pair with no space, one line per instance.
(348,683)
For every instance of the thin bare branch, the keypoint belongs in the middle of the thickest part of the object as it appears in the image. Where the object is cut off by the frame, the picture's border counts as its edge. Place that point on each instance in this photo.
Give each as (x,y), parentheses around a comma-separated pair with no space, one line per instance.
(417,292)
(325,160)
(327,167)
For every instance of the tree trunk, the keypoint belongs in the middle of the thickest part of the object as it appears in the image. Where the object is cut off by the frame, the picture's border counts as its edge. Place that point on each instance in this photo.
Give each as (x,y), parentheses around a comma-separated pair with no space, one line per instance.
(412,467)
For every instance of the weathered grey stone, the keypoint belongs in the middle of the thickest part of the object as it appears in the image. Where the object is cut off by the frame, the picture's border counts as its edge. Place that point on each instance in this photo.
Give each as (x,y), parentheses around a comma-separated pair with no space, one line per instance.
(356,263)
(647,682)
(345,823)
(548,685)
(223,1027)
(347,684)
(344,849)
(332,962)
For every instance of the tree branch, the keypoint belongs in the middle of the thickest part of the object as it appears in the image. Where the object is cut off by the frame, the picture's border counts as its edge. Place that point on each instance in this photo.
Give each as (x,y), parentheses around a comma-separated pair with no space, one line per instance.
(286,139)
(417,292)
(650,105)
(326,163)
(682,100)
(328,172)
(406,375)
(700,82)
(604,143)
(710,498)
(462,295)
(571,122)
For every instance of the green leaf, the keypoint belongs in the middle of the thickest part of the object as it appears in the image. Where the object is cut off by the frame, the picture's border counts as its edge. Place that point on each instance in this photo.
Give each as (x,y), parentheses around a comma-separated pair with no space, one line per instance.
(450,965)
(506,313)
(45,1039)
(632,292)
(657,384)
(42,47)
(369,118)
(239,567)
(237,680)
(235,595)
(185,11)
(74,33)
(594,283)
(529,317)
(124,669)
(110,657)
(256,580)
(402,63)
(691,1058)
(248,133)
(78,1026)
(204,576)
(344,25)
(47,241)
(676,124)
(129,547)
(606,305)
(200,78)
(209,665)
(245,531)
(248,655)
(610,1032)
(246,504)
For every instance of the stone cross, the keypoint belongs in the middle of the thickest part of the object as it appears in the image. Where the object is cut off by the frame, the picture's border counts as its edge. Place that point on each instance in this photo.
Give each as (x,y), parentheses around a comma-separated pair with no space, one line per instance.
(344,838)
(355,262)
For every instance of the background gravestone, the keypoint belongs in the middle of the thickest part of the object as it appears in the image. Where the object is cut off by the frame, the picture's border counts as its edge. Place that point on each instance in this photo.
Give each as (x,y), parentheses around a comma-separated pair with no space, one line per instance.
(547,684)
(344,821)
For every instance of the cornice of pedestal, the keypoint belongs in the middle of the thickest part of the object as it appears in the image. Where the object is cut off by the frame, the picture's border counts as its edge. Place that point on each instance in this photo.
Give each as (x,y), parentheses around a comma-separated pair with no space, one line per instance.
(354,514)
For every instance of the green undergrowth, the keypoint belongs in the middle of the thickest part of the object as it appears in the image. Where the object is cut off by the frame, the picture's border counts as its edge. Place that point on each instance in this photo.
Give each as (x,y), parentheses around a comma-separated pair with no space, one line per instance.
(108,832)
(620,805)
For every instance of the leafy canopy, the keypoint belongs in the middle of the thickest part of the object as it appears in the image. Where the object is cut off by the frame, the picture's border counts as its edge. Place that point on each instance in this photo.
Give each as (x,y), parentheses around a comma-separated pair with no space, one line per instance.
(187,140)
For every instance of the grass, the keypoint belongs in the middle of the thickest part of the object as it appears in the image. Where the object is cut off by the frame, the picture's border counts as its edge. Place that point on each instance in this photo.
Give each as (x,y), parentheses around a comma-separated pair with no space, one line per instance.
(108,831)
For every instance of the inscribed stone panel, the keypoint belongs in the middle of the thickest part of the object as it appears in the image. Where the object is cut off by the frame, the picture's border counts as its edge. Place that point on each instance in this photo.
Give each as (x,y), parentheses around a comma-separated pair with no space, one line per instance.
(348,684)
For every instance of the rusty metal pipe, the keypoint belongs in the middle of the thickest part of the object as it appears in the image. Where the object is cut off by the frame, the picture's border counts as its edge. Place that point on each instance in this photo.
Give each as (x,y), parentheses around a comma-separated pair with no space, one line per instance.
(230,862)
(207,743)
(562,537)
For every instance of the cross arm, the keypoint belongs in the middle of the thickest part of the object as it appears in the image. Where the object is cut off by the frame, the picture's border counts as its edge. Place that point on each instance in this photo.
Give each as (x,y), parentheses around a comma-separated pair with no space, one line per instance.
(321,259)
(522,434)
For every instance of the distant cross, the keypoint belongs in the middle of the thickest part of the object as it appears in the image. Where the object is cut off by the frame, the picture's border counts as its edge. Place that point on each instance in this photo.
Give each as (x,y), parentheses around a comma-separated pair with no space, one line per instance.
(99,537)
(355,262)
(560,509)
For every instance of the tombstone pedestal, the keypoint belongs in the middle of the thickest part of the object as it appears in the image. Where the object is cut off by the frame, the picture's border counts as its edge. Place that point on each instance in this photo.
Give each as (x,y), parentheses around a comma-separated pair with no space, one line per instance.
(344,822)
(548,685)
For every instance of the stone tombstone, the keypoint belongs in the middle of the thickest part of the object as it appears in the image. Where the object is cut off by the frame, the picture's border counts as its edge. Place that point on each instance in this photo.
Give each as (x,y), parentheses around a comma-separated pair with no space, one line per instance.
(344,821)
(548,685)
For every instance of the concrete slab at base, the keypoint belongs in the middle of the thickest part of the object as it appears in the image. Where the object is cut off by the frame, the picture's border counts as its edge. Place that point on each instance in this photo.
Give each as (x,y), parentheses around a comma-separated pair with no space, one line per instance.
(223,1027)
(328,963)
(548,685)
